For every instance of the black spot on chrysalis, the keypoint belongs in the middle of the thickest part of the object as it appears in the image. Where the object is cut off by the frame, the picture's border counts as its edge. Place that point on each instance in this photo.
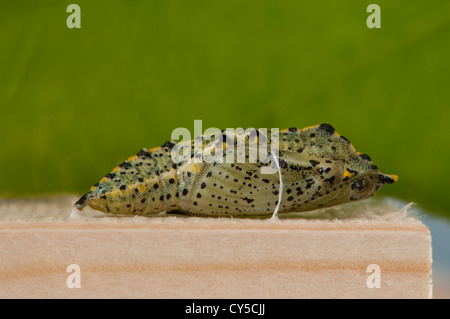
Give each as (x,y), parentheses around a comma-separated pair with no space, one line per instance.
(143,153)
(327,128)
(385,179)
(344,139)
(110,175)
(168,144)
(82,200)
(314,163)
(125,165)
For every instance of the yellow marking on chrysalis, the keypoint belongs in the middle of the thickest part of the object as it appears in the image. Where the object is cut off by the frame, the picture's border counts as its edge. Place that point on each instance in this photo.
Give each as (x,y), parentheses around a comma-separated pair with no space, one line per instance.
(103,179)
(308,127)
(141,188)
(154,149)
(196,168)
(113,194)
(132,158)
(358,153)
(395,177)
(347,174)
(115,169)
(92,188)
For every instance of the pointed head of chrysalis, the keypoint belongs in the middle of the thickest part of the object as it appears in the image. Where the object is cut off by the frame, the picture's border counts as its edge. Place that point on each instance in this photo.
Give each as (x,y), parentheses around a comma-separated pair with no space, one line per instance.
(362,178)
(346,175)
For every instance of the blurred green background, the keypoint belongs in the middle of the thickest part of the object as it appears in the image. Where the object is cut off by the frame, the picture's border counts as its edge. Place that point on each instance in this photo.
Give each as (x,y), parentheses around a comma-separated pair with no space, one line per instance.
(76,102)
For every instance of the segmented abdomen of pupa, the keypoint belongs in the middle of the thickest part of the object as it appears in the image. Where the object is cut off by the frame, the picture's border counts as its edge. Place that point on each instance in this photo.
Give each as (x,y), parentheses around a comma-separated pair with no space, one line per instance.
(151,182)
(145,183)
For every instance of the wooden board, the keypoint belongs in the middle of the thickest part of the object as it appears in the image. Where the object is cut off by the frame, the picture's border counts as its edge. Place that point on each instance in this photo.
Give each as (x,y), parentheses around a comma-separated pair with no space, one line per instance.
(174,257)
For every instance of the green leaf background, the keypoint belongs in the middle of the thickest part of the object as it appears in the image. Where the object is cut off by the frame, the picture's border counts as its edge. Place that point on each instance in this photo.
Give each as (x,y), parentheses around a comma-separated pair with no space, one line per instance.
(76,102)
